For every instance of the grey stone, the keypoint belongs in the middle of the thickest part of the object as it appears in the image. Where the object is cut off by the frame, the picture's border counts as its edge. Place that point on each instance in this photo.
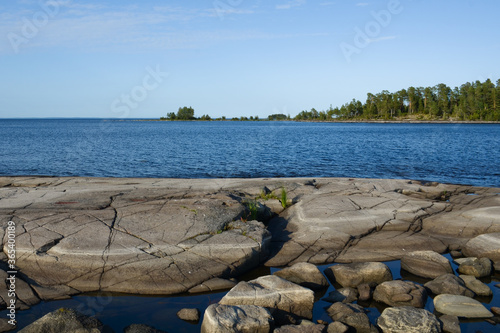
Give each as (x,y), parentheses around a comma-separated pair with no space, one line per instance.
(479,288)
(189,314)
(351,315)
(64,320)
(408,319)
(304,274)
(451,324)
(220,318)
(460,306)
(487,245)
(214,284)
(475,267)
(449,284)
(401,293)
(272,292)
(141,328)
(365,292)
(312,328)
(352,275)
(428,264)
(337,327)
(344,295)
(5,326)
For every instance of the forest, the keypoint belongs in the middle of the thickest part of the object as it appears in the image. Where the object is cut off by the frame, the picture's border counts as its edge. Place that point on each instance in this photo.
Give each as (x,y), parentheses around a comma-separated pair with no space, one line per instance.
(477,101)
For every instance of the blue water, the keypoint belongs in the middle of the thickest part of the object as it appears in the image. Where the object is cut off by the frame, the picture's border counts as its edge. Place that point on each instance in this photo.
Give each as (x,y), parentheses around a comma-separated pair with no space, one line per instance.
(450,153)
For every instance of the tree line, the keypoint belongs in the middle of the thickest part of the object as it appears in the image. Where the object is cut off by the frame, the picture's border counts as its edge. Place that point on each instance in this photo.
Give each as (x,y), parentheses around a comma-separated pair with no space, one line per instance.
(471,101)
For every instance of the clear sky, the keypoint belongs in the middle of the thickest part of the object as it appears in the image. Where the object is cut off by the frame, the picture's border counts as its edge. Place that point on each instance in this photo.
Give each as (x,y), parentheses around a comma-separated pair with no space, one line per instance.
(143,59)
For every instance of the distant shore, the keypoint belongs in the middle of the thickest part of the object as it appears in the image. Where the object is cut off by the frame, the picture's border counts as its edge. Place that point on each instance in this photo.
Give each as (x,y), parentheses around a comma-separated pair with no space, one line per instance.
(359,121)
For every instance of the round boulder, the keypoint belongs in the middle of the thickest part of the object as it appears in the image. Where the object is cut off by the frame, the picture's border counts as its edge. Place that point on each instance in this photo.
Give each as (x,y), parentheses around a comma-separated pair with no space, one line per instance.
(401,293)
(304,274)
(352,275)
(449,284)
(460,306)
(475,267)
(428,264)
(408,319)
(244,318)
(486,245)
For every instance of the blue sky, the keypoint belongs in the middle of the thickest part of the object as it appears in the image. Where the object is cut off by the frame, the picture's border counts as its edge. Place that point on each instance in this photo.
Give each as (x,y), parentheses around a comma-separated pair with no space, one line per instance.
(143,59)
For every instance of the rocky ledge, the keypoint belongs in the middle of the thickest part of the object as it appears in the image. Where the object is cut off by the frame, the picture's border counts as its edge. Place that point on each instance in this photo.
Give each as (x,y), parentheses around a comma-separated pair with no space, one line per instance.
(168,236)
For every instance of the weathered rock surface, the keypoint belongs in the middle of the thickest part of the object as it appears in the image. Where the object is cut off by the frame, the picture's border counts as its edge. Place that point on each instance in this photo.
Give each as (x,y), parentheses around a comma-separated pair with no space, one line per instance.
(312,328)
(189,314)
(451,324)
(5,326)
(165,236)
(449,284)
(479,288)
(401,293)
(486,245)
(352,275)
(65,320)
(127,235)
(460,306)
(351,315)
(474,266)
(272,292)
(343,295)
(428,264)
(408,319)
(214,284)
(337,327)
(243,318)
(304,274)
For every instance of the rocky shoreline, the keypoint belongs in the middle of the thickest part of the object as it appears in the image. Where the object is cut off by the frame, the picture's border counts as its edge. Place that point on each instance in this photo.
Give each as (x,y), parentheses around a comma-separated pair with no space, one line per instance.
(170,236)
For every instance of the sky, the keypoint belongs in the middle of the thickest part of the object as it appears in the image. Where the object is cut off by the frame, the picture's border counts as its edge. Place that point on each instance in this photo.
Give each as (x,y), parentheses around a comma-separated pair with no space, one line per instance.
(144,59)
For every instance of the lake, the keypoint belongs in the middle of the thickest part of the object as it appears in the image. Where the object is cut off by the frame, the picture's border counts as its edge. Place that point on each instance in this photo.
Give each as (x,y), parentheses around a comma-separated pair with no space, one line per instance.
(449,153)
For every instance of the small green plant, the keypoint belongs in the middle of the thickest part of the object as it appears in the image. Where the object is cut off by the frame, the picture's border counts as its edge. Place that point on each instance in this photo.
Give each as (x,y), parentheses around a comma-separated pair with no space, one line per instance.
(284,200)
(252,207)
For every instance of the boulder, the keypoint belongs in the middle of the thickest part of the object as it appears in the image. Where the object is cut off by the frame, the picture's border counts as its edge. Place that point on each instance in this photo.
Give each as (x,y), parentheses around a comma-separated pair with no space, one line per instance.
(304,274)
(365,292)
(337,327)
(141,328)
(460,306)
(451,324)
(189,314)
(302,328)
(220,318)
(272,292)
(486,245)
(64,320)
(475,267)
(449,284)
(428,264)
(343,295)
(408,319)
(479,288)
(351,315)
(352,275)
(5,326)
(401,293)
